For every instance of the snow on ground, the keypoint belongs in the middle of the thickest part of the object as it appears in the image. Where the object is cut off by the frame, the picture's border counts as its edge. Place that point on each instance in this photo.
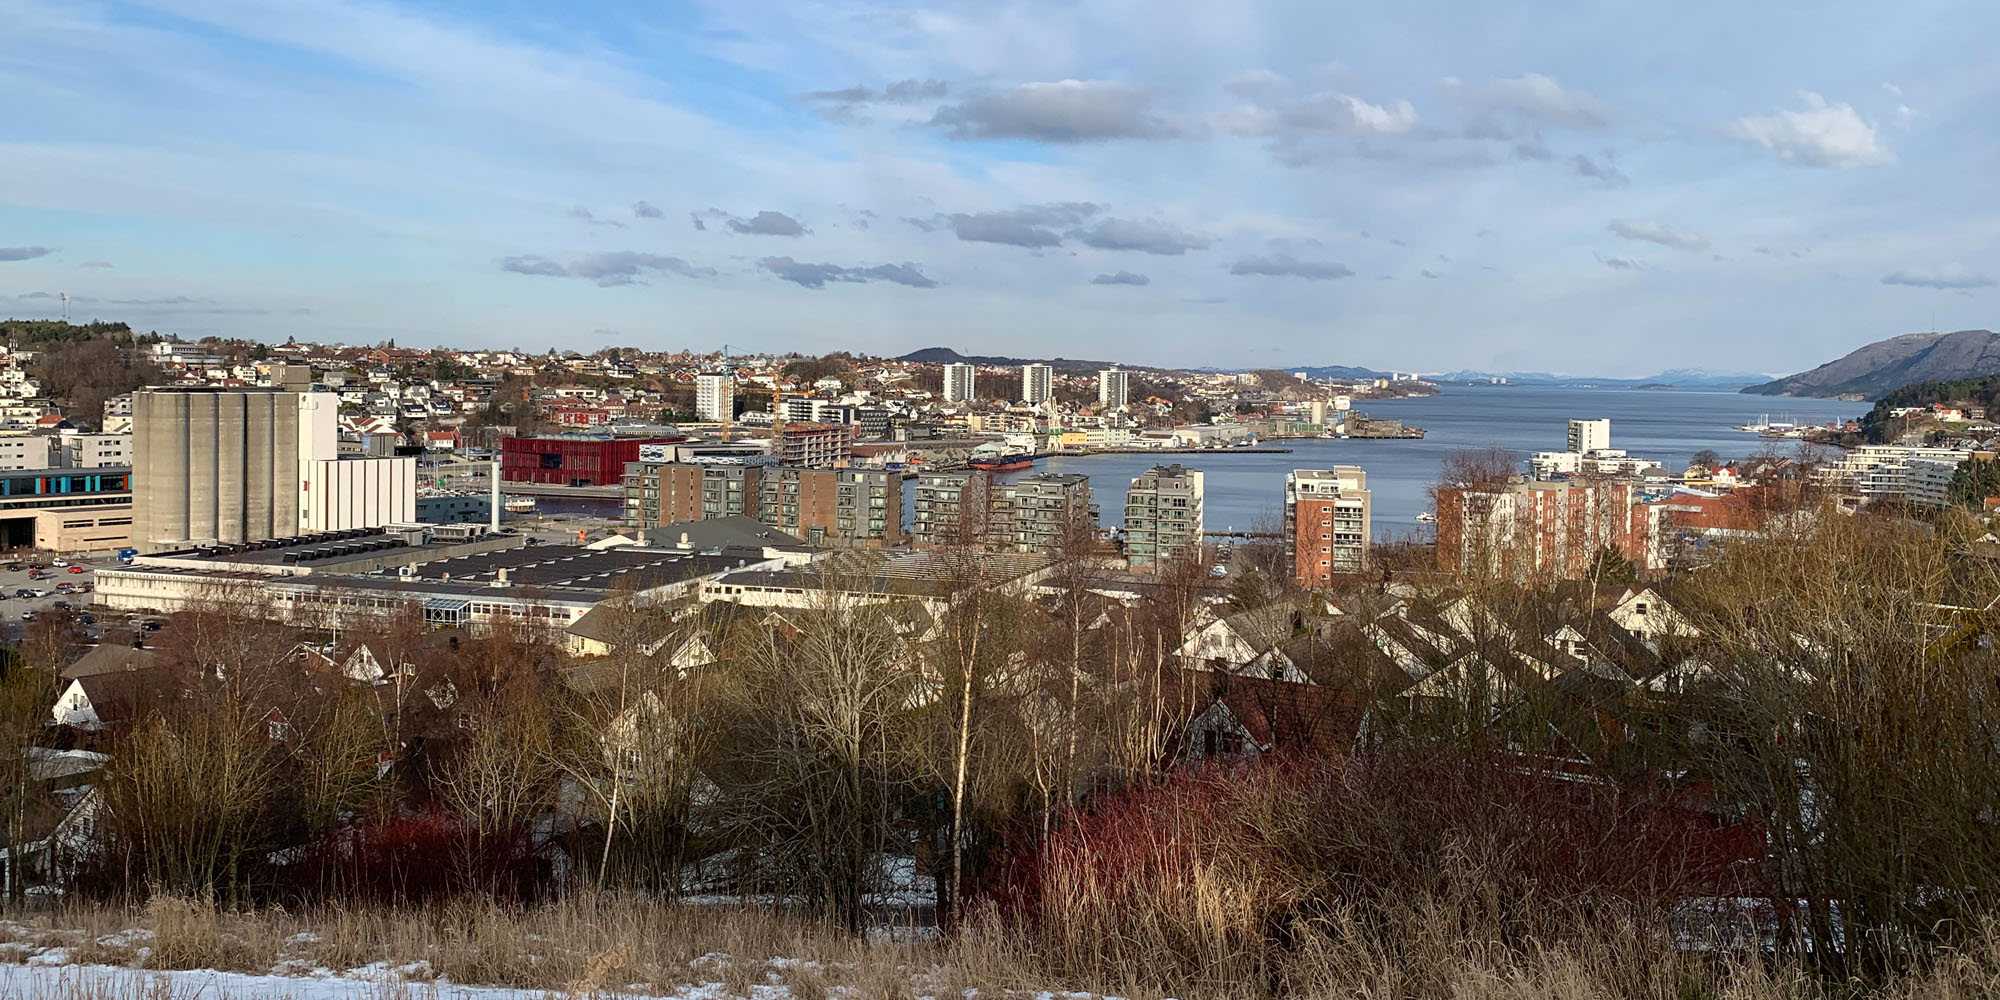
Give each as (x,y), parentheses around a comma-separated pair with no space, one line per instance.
(106,982)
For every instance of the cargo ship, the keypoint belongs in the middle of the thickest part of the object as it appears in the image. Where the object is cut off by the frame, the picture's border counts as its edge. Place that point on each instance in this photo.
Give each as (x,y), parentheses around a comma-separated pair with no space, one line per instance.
(995,462)
(1011,455)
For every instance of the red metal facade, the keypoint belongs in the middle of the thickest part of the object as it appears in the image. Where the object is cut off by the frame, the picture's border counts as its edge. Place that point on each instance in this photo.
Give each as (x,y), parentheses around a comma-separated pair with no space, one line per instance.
(570,461)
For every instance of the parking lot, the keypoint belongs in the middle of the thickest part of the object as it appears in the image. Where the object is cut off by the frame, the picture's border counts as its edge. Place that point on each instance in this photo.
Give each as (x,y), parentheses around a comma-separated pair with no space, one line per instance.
(12,581)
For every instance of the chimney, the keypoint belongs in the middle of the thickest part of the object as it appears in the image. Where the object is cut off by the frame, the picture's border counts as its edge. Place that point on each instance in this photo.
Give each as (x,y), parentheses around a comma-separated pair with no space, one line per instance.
(494,525)
(500,578)
(684,539)
(642,536)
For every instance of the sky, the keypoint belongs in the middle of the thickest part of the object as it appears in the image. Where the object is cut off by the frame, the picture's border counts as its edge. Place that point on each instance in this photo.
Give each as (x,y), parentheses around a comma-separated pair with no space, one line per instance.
(1603,188)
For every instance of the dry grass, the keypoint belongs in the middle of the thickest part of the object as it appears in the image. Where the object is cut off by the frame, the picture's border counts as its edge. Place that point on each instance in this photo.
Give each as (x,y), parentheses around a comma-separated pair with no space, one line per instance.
(602,945)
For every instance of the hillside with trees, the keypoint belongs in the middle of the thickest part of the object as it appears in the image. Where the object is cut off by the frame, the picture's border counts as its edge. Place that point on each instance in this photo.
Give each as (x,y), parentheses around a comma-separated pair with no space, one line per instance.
(82,365)
(1879,425)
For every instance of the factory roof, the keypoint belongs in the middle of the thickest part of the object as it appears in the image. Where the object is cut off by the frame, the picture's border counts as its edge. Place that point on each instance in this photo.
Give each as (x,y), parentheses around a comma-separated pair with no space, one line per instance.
(552,574)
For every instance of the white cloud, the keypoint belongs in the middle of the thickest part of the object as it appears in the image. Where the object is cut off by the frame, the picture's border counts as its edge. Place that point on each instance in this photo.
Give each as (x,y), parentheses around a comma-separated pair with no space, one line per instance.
(1951,277)
(1659,232)
(1063,111)
(1533,96)
(1821,135)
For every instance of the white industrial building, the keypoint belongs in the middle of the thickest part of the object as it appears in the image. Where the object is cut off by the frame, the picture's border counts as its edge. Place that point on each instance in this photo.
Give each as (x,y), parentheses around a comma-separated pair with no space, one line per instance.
(228,467)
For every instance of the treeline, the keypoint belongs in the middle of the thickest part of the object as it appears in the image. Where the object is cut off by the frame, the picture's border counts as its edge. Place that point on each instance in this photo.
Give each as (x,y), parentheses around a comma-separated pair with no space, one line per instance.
(1879,427)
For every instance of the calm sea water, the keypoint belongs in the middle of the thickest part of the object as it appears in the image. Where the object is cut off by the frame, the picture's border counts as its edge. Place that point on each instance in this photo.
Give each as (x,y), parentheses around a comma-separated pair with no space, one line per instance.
(1665,426)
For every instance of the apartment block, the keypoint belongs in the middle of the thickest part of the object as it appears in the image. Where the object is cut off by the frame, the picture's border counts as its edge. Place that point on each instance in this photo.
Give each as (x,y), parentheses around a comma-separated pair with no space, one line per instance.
(815,446)
(836,507)
(714,397)
(1114,388)
(95,451)
(959,382)
(658,493)
(951,507)
(1589,435)
(1037,384)
(1328,515)
(1896,472)
(1163,516)
(1543,531)
(1035,514)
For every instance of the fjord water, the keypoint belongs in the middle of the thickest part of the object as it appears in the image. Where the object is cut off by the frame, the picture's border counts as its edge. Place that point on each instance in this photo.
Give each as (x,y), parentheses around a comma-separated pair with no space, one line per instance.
(1666,426)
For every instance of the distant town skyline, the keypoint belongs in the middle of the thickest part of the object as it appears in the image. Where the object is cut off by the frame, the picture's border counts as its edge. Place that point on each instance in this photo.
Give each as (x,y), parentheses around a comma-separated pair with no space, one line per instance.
(1611,191)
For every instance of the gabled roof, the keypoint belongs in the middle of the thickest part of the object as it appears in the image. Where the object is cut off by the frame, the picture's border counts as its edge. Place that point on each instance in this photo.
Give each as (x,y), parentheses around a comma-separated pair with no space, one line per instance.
(109,658)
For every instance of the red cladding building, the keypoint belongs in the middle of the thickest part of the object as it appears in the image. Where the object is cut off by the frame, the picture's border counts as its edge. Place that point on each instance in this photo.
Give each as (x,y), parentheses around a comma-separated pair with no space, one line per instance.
(571,461)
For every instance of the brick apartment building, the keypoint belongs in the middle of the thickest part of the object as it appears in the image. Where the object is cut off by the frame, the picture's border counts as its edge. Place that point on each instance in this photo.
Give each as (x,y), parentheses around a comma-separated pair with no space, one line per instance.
(1328,517)
(1543,531)
(834,507)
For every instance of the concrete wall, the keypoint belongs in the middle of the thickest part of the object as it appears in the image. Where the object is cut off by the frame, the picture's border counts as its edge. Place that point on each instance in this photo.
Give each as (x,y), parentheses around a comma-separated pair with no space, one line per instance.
(358,493)
(222,467)
(84,529)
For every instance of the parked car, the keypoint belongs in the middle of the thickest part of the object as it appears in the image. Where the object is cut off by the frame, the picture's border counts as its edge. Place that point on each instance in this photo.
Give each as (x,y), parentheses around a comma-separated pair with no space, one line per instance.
(24,592)
(1217,571)
(59,564)
(27,616)
(86,619)
(151,625)
(76,569)
(62,606)
(14,567)
(65,587)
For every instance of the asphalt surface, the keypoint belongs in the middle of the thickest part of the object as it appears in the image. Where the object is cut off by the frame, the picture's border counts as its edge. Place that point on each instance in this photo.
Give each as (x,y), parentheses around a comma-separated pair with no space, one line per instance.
(11,581)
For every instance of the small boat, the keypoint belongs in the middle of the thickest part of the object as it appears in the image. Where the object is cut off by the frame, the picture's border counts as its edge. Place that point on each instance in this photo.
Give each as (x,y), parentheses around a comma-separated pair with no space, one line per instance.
(520,505)
(1427,518)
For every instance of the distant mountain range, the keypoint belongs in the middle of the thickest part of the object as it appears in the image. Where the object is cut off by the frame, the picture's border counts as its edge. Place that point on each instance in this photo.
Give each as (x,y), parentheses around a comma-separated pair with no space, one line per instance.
(1678,378)
(1880,367)
(1675,378)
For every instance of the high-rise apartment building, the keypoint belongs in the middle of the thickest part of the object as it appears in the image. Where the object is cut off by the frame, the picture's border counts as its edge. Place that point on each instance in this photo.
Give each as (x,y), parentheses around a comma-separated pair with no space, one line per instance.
(1163,516)
(1589,435)
(1327,523)
(1113,388)
(1037,384)
(714,397)
(228,466)
(958,382)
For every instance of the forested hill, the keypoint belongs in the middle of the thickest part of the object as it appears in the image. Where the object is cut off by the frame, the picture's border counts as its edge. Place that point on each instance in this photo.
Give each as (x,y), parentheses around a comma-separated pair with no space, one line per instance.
(43,334)
(1879,427)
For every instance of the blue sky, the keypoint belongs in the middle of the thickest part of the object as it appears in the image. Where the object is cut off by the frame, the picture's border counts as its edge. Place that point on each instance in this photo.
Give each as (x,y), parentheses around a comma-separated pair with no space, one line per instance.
(1603,188)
